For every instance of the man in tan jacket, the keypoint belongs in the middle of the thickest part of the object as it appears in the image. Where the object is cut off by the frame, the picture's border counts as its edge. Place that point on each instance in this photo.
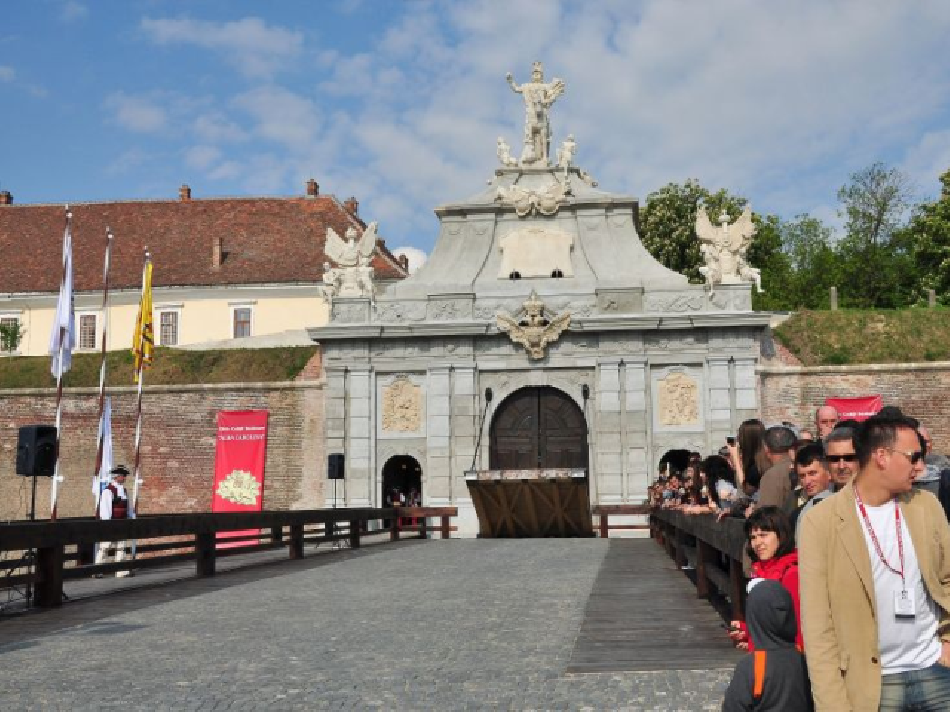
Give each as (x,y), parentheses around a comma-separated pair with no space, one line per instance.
(874,565)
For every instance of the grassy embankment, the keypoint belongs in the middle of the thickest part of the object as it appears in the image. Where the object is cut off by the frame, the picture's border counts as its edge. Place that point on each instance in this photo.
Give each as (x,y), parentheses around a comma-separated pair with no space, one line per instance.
(846,336)
(171,366)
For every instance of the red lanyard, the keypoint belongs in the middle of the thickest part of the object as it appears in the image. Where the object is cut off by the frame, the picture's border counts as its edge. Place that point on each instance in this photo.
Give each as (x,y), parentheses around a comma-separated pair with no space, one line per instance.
(877,545)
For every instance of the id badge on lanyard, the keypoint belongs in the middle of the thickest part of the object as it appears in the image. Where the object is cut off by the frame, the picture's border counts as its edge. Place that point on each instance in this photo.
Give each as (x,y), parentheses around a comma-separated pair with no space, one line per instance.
(904,604)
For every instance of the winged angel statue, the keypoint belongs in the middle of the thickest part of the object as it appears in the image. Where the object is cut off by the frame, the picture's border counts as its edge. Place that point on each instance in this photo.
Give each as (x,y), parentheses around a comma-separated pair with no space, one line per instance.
(724,249)
(534,330)
(353,275)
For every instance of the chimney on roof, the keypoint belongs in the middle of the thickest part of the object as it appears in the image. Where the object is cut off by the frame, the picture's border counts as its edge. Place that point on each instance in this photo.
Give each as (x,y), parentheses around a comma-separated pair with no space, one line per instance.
(403,262)
(184,193)
(313,188)
(217,251)
(6,198)
(352,206)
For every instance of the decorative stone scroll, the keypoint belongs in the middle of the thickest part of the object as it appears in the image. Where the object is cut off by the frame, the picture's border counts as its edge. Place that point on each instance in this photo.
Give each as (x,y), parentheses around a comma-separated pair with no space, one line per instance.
(673,302)
(677,400)
(402,406)
(546,201)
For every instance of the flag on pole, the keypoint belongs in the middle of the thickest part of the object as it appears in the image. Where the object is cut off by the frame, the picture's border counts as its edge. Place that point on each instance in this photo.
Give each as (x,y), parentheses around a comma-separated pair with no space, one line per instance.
(62,338)
(143,342)
(101,478)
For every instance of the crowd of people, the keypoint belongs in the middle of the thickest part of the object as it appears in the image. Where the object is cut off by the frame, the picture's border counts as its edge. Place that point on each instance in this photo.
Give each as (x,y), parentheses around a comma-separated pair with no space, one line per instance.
(848,602)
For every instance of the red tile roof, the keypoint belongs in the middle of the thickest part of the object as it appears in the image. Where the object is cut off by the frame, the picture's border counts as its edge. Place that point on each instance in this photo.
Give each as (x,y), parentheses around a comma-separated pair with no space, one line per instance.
(264,241)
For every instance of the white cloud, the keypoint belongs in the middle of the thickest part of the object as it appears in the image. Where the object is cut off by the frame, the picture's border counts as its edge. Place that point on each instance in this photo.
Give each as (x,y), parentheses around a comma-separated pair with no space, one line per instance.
(7,73)
(73,10)
(256,49)
(280,115)
(416,257)
(217,128)
(137,113)
(927,160)
(202,157)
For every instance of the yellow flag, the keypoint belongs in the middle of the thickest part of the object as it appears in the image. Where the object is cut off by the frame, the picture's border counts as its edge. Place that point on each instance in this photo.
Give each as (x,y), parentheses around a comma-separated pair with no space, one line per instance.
(143,343)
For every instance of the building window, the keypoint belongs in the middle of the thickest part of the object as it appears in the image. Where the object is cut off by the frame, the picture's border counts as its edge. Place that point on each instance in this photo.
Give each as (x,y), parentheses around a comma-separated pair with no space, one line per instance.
(168,328)
(242,322)
(9,334)
(87,331)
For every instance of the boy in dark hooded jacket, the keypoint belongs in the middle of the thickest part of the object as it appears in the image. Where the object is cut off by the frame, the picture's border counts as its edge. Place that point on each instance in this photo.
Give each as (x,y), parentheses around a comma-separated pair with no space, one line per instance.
(783,683)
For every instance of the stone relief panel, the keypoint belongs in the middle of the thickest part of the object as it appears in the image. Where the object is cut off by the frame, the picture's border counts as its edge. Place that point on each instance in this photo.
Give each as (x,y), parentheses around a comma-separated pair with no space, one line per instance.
(578,307)
(345,311)
(674,340)
(628,343)
(401,311)
(449,310)
(487,309)
(678,399)
(536,252)
(402,406)
(674,302)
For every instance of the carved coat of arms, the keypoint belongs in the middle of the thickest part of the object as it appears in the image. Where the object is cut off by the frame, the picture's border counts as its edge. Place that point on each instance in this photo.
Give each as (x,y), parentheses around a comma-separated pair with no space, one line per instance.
(402,406)
(533,328)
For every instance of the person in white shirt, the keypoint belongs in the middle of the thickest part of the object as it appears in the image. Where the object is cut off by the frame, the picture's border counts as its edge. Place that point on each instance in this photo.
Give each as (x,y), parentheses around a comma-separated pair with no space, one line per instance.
(114,504)
(874,571)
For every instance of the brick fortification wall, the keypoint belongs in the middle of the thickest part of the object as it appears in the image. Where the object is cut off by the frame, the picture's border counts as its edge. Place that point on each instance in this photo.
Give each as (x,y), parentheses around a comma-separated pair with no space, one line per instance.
(919,389)
(178,445)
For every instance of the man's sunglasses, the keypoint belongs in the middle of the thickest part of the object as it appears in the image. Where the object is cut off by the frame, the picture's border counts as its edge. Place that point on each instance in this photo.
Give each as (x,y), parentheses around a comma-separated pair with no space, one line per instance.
(838,458)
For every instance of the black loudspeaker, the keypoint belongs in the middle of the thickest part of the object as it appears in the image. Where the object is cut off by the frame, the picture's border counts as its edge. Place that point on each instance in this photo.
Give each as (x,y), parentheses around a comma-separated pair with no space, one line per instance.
(36,451)
(335,464)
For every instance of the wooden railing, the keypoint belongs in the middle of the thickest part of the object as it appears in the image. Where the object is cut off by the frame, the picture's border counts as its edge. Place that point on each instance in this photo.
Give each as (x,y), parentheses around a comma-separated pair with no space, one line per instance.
(421,515)
(42,555)
(715,548)
(605,511)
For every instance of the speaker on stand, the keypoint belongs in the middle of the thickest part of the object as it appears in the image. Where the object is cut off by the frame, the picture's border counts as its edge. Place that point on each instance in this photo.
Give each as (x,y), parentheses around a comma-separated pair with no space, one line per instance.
(35,457)
(336,466)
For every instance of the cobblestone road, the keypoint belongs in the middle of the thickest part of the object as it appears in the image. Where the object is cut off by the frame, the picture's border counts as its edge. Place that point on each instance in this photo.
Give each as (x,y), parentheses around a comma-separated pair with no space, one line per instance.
(447,625)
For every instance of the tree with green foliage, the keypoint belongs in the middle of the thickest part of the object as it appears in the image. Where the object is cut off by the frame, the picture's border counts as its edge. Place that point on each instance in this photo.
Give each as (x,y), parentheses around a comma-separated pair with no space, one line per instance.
(876,265)
(929,233)
(668,227)
(814,266)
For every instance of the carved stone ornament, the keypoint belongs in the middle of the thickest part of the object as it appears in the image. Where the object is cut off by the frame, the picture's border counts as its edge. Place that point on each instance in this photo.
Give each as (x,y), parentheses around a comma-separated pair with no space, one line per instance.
(678,400)
(533,329)
(673,302)
(402,406)
(724,249)
(525,202)
(401,311)
(538,97)
(353,275)
(535,251)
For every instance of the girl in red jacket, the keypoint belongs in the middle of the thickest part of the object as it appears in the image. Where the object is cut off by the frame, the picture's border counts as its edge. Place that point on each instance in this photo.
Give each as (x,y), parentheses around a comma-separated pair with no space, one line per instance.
(772,549)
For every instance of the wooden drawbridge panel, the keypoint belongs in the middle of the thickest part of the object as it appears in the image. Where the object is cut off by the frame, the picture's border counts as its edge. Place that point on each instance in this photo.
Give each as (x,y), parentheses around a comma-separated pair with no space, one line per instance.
(531,503)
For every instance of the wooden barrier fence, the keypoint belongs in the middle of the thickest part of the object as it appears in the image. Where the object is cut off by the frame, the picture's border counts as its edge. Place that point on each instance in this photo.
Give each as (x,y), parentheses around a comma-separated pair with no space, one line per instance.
(604,511)
(46,553)
(715,548)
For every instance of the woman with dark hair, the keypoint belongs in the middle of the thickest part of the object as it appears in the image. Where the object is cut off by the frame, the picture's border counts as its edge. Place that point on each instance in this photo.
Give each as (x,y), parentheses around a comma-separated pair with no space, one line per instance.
(720,481)
(748,453)
(774,557)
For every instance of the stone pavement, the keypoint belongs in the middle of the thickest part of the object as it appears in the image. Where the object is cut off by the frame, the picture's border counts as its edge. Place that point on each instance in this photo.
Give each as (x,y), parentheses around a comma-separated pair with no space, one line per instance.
(457,624)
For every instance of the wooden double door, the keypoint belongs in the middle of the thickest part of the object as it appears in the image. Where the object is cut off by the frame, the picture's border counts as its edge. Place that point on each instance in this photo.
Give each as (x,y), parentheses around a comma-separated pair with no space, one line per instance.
(538,427)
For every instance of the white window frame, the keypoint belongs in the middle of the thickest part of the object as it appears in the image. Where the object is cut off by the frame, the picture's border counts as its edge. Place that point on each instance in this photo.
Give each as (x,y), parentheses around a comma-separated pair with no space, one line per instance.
(250,308)
(158,311)
(18,315)
(96,343)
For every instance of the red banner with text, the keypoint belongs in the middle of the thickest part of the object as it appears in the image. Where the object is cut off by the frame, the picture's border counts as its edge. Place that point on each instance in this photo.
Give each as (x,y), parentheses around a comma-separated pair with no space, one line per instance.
(240,452)
(859,409)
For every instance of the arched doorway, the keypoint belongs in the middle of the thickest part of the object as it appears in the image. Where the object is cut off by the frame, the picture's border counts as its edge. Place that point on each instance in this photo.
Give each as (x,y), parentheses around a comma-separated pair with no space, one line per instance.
(538,427)
(402,475)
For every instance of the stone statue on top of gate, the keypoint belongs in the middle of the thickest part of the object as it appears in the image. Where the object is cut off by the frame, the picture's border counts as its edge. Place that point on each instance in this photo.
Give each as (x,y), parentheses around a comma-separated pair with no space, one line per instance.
(724,249)
(353,275)
(538,98)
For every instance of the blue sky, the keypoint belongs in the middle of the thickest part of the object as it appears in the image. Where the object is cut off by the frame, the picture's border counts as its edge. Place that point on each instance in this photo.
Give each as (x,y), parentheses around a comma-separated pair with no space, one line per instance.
(399,103)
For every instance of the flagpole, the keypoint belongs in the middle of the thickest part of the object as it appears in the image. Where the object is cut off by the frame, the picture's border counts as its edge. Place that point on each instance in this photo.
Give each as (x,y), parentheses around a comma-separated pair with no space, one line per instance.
(140,377)
(54,488)
(102,365)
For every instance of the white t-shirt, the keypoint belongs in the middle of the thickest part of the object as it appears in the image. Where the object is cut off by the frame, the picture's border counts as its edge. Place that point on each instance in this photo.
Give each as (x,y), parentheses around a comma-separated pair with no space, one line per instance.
(905,643)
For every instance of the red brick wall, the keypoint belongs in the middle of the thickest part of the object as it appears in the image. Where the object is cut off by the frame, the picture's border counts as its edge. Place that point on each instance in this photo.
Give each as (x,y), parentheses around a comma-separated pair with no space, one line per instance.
(919,390)
(178,445)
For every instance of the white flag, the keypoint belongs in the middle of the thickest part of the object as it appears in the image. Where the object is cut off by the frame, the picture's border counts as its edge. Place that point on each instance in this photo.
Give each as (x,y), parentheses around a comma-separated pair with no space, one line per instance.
(65,314)
(105,436)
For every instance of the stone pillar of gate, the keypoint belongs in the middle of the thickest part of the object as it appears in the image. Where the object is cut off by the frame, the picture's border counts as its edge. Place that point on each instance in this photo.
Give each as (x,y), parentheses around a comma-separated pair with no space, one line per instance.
(635,435)
(607,441)
(438,434)
(464,428)
(360,433)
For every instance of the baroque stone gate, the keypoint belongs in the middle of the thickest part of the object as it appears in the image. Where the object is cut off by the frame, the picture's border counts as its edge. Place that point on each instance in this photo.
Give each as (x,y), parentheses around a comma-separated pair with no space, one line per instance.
(539,280)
